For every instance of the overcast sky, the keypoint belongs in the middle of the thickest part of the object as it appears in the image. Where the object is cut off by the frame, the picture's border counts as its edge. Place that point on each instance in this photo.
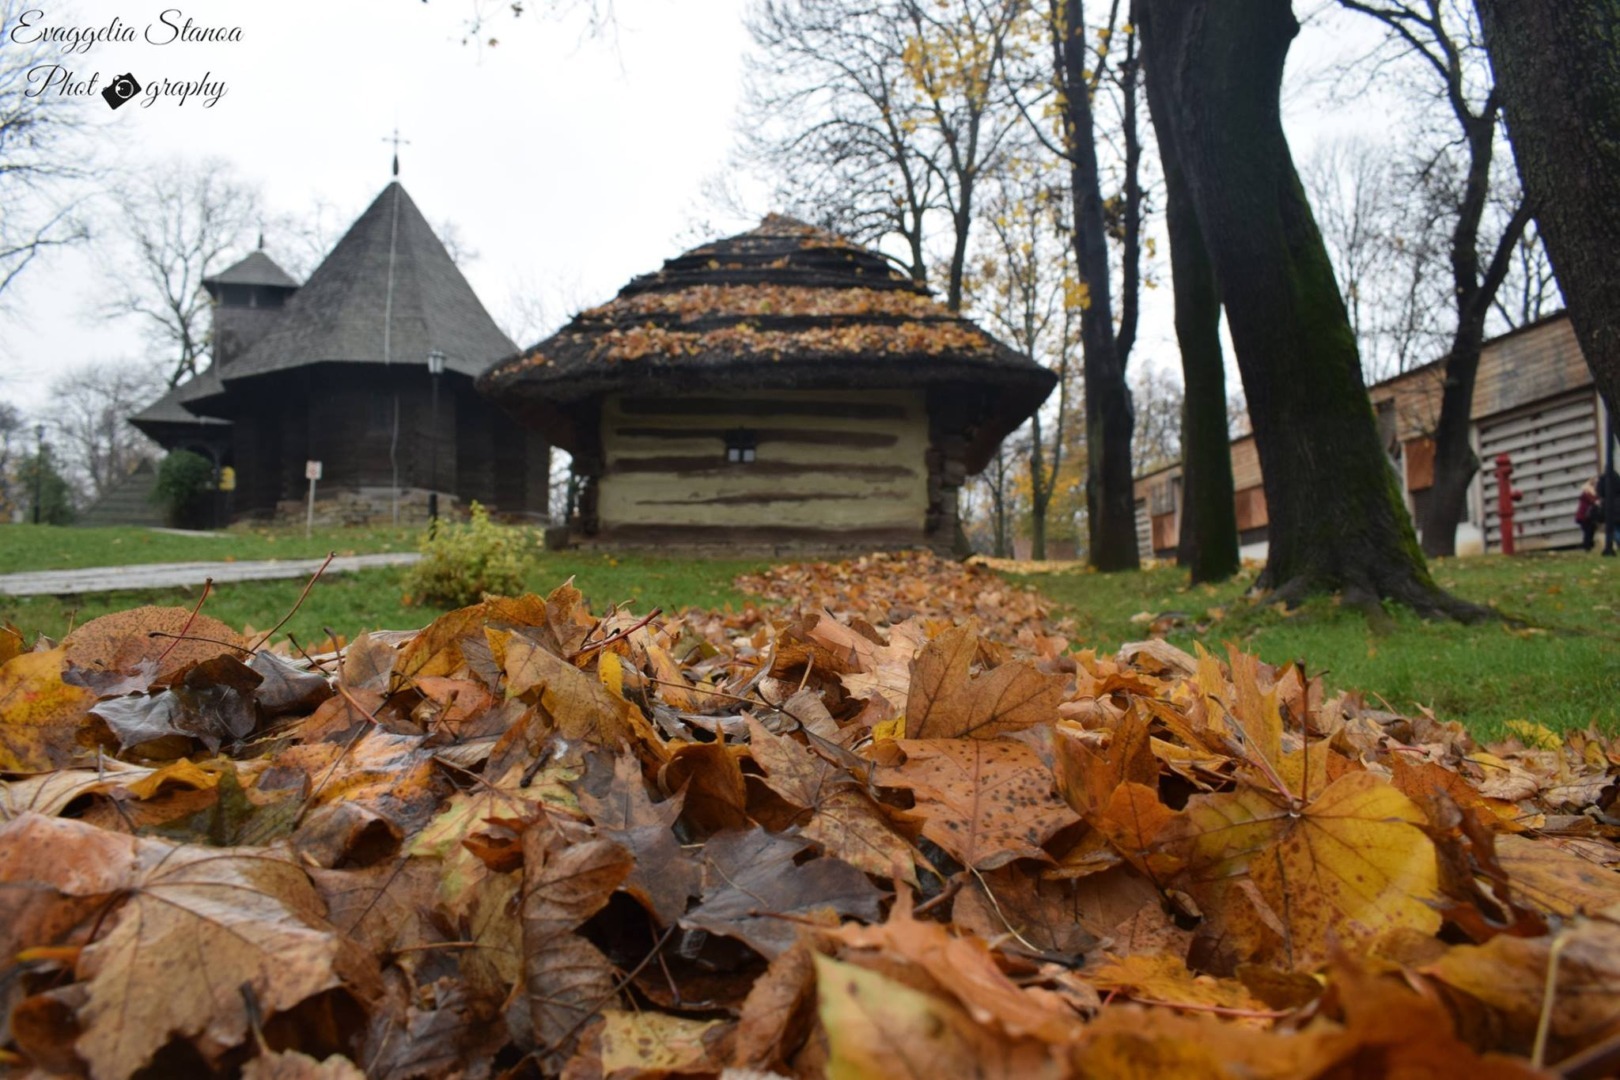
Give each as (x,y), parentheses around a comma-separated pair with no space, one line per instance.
(567,162)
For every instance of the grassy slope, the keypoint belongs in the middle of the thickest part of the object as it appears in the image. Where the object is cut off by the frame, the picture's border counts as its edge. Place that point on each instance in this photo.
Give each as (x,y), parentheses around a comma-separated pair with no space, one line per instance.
(1563,670)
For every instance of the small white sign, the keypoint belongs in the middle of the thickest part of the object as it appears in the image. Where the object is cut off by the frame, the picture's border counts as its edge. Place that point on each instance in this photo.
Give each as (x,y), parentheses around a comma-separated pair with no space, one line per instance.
(312,470)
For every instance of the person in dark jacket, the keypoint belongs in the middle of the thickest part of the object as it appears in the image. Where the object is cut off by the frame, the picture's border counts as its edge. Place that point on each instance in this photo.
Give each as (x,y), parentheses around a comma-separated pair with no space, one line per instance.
(1594,505)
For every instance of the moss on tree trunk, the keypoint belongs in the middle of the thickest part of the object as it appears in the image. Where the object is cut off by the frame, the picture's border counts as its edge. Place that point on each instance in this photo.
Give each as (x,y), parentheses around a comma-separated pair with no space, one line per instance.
(1337,522)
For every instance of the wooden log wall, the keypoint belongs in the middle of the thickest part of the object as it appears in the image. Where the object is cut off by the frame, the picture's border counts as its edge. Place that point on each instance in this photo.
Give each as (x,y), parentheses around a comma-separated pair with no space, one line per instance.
(829,466)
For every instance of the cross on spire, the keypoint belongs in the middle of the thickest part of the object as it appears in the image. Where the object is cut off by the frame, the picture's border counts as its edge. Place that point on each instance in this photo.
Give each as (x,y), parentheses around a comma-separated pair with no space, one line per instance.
(397,141)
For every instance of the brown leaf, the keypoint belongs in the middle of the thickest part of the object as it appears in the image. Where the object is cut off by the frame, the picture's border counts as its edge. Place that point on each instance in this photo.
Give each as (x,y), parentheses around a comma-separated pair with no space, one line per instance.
(877,1027)
(710,778)
(120,642)
(629,1044)
(1510,974)
(566,978)
(777,1014)
(291,1065)
(753,890)
(963,967)
(1161,978)
(663,875)
(842,818)
(986,801)
(42,719)
(945,703)
(239,917)
(580,707)
(1555,880)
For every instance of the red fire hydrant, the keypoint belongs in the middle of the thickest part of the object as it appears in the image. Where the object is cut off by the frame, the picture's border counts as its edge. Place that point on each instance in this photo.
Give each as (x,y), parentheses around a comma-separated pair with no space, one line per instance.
(1507,495)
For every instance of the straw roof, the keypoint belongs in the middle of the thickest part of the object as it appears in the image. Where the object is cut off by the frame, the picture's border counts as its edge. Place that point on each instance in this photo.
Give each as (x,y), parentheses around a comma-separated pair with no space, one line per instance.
(784,306)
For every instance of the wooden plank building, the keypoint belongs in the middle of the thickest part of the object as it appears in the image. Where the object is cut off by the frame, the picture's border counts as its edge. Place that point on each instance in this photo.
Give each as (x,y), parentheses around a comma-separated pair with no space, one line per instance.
(1534,400)
(338,371)
(779,389)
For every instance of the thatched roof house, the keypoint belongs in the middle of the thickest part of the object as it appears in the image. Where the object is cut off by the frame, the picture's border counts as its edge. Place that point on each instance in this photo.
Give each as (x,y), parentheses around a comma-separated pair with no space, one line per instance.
(783,386)
(338,371)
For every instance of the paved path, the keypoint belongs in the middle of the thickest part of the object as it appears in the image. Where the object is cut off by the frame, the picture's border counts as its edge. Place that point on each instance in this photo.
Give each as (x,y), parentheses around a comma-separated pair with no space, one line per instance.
(163,575)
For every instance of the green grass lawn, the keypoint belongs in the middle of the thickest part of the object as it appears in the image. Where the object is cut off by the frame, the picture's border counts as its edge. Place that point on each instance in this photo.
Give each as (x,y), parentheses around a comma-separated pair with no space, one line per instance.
(53,547)
(1561,669)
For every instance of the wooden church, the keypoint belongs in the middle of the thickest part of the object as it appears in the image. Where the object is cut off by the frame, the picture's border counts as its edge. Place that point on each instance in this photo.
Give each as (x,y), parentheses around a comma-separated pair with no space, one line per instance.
(368,368)
(779,389)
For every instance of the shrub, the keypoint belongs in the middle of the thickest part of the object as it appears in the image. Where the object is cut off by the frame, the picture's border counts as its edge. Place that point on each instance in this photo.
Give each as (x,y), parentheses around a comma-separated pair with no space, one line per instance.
(462,562)
(184,481)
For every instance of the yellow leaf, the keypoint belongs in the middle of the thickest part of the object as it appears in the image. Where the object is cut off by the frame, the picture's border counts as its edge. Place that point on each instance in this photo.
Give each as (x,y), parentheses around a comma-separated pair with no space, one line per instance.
(41,717)
(877,1027)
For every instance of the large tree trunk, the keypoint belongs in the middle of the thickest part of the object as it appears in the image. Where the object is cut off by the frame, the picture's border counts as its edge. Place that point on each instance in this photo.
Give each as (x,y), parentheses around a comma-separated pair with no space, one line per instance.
(1208,544)
(1110,488)
(1557,67)
(1336,517)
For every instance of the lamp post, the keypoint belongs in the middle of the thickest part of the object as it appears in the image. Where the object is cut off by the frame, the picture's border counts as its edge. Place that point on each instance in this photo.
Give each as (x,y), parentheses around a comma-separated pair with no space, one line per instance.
(39,468)
(435,362)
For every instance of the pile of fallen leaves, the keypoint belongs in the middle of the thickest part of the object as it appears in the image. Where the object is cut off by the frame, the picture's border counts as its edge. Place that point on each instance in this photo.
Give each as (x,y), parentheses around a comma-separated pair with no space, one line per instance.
(891,587)
(525,841)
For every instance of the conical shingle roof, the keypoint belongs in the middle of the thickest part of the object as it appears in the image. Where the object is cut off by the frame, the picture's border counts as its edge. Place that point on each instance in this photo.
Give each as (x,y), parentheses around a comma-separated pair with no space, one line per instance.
(785,305)
(388,293)
(256,269)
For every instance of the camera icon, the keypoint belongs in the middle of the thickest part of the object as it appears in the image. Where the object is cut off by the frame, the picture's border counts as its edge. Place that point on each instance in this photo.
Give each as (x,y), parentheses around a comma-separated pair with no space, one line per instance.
(122,89)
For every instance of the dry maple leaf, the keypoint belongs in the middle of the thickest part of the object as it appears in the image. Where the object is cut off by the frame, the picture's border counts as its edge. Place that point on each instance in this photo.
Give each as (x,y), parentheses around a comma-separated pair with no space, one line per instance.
(1350,865)
(841,816)
(581,708)
(161,640)
(963,967)
(663,876)
(650,1044)
(41,717)
(196,926)
(986,801)
(876,1027)
(944,703)
(567,979)
(1510,974)
(753,888)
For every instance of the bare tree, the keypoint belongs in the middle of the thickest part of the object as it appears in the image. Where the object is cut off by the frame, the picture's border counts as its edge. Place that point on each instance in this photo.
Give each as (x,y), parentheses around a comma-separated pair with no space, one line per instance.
(1028,288)
(89,409)
(181,221)
(1158,400)
(38,210)
(1387,238)
(877,116)
(833,124)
